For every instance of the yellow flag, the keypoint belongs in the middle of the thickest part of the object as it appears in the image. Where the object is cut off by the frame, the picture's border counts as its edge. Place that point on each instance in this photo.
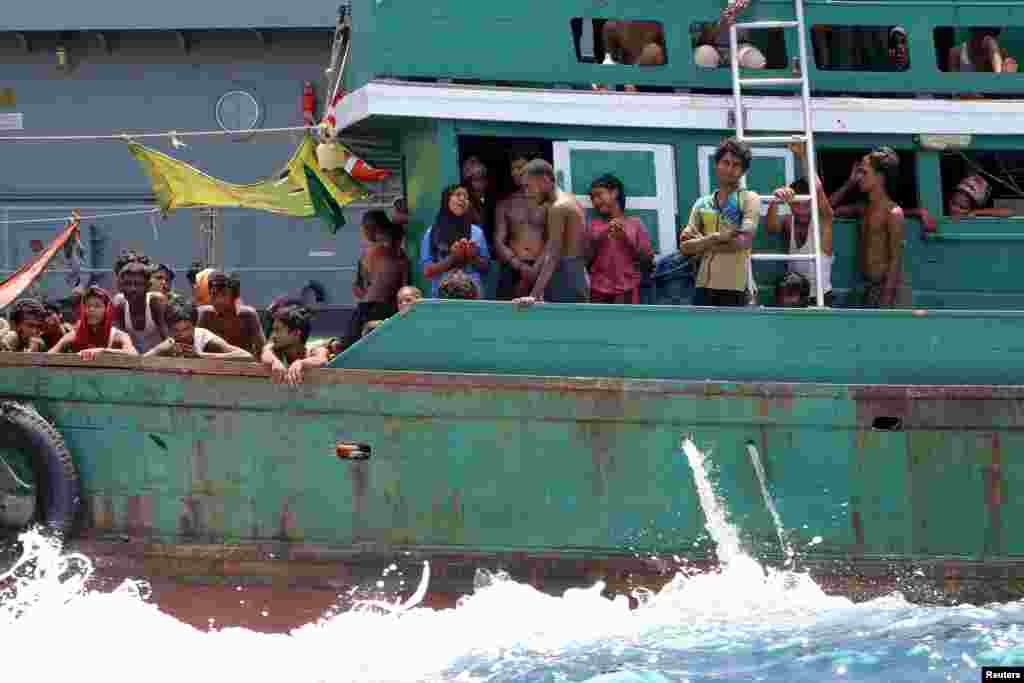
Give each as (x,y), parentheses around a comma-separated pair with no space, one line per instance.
(179,185)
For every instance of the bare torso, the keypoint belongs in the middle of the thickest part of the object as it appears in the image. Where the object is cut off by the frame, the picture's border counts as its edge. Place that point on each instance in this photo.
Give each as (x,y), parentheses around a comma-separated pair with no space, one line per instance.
(242,330)
(386,272)
(566,215)
(875,250)
(526,226)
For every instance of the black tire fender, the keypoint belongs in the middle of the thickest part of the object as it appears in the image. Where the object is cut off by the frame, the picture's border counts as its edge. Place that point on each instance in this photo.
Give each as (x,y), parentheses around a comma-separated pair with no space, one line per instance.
(58,496)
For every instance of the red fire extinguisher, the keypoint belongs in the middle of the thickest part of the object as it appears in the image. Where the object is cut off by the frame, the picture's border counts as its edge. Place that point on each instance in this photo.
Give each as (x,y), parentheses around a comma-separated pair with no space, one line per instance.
(308,104)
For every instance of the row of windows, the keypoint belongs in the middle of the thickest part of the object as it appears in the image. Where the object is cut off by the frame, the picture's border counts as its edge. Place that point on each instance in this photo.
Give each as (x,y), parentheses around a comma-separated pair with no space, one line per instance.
(991,181)
(879,48)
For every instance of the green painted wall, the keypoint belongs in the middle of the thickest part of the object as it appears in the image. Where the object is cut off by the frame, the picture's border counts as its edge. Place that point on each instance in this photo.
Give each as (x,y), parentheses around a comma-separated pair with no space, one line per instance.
(665,342)
(506,463)
(471,40)
(431,164)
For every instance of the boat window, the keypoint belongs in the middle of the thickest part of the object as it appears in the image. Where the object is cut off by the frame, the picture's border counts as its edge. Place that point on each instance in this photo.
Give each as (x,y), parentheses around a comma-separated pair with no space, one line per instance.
(975,49)
(619,41)
(835,165)
(757,49)
(860,48)
(983,183)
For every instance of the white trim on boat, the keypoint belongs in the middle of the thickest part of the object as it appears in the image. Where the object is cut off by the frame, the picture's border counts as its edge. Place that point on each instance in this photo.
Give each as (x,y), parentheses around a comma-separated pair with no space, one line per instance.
(677,111)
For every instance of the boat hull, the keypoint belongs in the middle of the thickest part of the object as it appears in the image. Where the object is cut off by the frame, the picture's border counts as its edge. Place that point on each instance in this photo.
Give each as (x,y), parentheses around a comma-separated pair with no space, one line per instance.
(198,469)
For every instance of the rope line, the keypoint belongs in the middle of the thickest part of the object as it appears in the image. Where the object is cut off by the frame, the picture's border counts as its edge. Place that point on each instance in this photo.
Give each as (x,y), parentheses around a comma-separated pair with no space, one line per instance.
(129,137)
(81,218)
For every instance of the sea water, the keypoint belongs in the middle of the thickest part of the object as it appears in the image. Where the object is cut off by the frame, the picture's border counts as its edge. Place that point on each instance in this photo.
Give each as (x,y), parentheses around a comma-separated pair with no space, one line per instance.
(743,623)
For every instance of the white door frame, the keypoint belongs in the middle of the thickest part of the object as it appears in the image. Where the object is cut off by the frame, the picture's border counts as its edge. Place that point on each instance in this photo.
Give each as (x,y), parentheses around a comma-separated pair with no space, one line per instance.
(664,178)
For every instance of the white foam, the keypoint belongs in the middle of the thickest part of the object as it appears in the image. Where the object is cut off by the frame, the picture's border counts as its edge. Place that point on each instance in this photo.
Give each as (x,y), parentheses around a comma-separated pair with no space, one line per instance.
(743,622)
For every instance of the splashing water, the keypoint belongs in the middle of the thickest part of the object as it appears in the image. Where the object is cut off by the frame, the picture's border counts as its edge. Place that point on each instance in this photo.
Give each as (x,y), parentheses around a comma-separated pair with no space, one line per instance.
(762,479)
(743,623)
(725,535)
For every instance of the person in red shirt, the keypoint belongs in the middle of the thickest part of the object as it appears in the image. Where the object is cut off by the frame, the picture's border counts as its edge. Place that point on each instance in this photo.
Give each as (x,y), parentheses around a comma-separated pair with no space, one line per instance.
(620,248)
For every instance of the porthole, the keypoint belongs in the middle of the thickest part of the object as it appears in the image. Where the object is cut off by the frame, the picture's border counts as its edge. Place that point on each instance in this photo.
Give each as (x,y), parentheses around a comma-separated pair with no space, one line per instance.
(238,110)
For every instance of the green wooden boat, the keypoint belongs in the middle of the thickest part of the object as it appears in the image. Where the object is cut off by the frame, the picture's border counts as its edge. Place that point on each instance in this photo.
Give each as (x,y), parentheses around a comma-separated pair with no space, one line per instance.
(547,441)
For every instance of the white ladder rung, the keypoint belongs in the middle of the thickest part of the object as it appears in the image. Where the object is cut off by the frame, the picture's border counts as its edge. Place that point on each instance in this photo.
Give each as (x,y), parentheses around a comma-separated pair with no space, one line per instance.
(757,82)
(772,139)
(804,93)
(782,257)
(768,24)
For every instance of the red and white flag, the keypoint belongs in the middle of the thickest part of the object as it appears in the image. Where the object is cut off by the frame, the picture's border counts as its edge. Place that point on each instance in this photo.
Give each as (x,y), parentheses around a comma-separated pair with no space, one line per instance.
(12,287)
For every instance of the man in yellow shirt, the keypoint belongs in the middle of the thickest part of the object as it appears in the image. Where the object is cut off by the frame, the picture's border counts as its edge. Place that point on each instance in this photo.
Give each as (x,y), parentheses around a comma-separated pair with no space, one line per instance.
(721,230)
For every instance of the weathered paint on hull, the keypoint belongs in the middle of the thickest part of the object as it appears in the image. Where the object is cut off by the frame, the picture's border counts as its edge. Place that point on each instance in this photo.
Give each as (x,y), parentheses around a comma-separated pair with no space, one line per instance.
(199,469)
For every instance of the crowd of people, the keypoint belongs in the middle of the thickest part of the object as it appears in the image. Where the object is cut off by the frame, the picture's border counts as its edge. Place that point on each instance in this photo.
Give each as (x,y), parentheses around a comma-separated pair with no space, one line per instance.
(535,245)
(871,48)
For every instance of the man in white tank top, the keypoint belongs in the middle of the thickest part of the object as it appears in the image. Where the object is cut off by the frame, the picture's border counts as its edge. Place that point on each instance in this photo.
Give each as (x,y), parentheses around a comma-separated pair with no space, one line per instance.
(137,311)
(797,228)
(189,341)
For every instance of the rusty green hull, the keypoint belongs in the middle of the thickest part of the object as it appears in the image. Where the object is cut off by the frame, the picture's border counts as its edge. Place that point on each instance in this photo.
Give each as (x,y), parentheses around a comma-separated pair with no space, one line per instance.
(202,469)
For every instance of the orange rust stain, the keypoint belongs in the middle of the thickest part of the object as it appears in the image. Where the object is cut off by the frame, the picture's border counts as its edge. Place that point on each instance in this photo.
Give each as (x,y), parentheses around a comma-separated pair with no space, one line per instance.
(140,514)
(102,513)
(995,492)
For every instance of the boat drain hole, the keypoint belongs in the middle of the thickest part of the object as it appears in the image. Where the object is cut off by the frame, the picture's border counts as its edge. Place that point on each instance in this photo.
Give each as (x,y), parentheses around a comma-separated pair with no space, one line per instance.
(887,424)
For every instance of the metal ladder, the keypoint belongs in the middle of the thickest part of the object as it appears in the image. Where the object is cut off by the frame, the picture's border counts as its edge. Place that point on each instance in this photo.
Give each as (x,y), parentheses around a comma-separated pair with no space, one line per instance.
(807,138)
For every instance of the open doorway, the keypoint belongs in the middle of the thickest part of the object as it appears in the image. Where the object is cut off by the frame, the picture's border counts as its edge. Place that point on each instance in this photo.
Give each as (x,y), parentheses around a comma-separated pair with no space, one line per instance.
(496,154)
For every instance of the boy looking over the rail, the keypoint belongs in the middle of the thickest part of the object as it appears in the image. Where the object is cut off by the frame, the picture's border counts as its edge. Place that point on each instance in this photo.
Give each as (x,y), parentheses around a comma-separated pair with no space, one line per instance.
(25,335)
(286,354)
(54,327)
(228,318)
(407,298)
(161,278)
(189,341)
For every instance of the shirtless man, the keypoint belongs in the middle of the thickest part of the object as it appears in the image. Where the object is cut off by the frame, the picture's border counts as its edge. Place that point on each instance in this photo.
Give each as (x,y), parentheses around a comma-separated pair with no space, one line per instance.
(563,274)
(227,318)
(881,229)
(519,227)
(286,355)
